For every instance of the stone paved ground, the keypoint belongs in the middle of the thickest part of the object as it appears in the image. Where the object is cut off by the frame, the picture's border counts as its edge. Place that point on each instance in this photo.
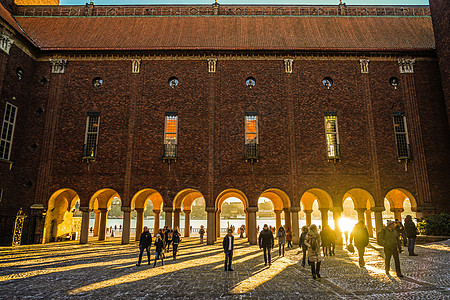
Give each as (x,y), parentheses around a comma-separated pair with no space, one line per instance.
(107,270)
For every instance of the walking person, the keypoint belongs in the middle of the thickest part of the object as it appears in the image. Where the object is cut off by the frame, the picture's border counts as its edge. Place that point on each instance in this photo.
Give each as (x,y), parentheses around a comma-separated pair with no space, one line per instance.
(145,242)
(326,242)
(411,234)
(313,242)
(159,249)
(202,233)
(281,240)
(401,236)
(266,242)
(228,245)
(361,237)
(389,239)
(176,240)
(302,243)
(241,231)
(289,237)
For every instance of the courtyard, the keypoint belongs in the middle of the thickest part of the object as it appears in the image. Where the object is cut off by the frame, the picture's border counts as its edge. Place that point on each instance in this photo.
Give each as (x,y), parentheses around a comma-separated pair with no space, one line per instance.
(107,270)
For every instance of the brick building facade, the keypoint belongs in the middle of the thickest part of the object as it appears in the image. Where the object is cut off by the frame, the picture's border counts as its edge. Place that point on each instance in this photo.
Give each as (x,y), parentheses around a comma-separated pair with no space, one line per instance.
(367,74)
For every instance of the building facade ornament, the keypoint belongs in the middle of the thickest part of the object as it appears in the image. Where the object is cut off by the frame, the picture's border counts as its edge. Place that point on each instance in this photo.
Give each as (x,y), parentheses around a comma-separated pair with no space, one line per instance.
(406,65)
(364,66)
(135,66)
(5,42)
(288,65)
(58,65)
(212,62)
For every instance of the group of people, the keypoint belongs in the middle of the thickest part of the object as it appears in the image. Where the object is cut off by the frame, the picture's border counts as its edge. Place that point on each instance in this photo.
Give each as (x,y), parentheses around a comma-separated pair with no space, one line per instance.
(164,238)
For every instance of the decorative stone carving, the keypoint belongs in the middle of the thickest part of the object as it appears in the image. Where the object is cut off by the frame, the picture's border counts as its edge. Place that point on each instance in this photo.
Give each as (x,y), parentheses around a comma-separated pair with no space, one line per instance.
(58,65)
(364,66)
(135,66)
(406,65)
(288,65)
(212,62)
(5,42)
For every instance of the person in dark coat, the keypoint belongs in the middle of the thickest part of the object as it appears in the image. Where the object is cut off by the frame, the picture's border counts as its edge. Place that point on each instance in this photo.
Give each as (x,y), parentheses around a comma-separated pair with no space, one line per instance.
(159,249)
(176,239)
(411,234)
(145,242)
(390,241)
(266,242)
(401,234)
(228,246)
(361,237)
(302,243)
(326,241)
(202,233)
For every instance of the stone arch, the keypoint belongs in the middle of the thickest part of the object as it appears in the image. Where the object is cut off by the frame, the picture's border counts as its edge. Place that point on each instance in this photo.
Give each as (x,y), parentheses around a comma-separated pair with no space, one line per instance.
(281,202)
(360,197)
(139,203)
(100,203)
(324,200)
(397,197)
(230,193)
(183,202)
(59,217)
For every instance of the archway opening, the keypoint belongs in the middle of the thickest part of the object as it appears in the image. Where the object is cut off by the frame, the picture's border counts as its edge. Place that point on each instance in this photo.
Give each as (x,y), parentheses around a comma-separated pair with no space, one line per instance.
(182,206)
(401,203)
(349,216)
(266,215)
(102,202)
(232,215)
(63,218)
(407,209)
(197,216)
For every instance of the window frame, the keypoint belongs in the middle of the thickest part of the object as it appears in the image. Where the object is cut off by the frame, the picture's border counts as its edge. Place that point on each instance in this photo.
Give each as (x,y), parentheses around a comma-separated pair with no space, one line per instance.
(403,133)
(11,125)
(337,152)
(87,133)
(251,114)
(166,119)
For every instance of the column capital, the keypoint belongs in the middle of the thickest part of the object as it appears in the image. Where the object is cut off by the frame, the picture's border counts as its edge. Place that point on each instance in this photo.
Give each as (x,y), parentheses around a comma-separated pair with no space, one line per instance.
(307,211)
(187,211)
(286,209)
(368,211)
(364,63)
(210,209)
(277,211)
(322,210)
(126,209)
(252,209)
(177,210)
(5,42)
(360,209)
(84,209)
(212,62)
(288,62)
(103,210)
(167,209)
(58,65)
(397,210)
(337,209)
(295,208)
(138,209)
(378,209)
(156,211)
(406,65)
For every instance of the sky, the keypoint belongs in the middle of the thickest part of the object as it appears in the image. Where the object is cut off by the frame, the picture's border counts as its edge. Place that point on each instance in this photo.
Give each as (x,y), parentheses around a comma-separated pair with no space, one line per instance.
(245,2)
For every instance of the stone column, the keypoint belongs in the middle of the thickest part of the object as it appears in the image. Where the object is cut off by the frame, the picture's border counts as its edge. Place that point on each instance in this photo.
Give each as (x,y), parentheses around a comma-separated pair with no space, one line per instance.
(360,212)
(139,222)
(168,219)
(84,224)
(324,215)
(378,218)
(176,218)
(337,211)
(252,235)
(308,213)
(277,219)
(156,224)
(287,217)
(126,225)
(187,223)
(218,223)
(210,226)
(97,221)
(295,227)
(102,229)
(246,225)
(369,222)
(397,213)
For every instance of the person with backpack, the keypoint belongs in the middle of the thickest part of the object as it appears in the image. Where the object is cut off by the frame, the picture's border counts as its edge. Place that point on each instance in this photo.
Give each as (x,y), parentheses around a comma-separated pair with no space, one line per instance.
(302,243)
(266,242)
(411,234)
(145,242)
(389,239)
(159,249)
(176,239)
(202,233)
(361,237)
(281,240)
(313,242)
